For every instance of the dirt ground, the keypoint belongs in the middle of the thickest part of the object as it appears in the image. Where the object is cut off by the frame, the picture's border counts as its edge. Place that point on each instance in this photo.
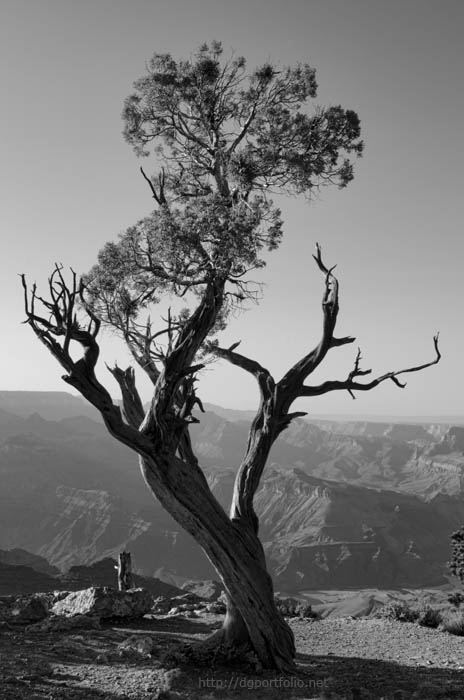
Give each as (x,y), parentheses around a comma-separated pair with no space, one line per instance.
(337,659)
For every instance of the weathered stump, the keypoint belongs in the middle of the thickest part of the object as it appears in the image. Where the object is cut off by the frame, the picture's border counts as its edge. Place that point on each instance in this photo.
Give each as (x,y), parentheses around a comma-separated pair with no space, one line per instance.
(125,571)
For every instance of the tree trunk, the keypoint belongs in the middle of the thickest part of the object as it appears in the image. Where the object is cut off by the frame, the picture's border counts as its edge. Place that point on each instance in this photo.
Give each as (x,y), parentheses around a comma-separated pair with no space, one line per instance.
(124,571)
(252,617)
(234,549)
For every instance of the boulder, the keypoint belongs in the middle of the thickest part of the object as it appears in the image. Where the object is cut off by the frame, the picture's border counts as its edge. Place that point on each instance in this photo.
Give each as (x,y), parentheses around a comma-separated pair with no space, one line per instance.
(105,603)
(208,590)
(23,610)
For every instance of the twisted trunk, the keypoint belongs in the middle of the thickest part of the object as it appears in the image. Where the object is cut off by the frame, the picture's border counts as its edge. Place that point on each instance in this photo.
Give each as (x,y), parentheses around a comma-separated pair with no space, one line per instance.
(161,437)
(252,618)
(235,551)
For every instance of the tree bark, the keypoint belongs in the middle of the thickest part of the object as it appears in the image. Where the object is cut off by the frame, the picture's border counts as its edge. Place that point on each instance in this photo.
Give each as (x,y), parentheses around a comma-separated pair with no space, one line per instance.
(234,549)
(252,618)
(124,571)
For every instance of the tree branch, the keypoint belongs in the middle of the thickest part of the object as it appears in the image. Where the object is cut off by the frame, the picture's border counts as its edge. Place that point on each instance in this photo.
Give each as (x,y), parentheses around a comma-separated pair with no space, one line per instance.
(190,337)
(158,196)
(350,384)
(232,148)
(263,432)
(337,342)
(289,386)
(131,401)
(262,375)
(63,323)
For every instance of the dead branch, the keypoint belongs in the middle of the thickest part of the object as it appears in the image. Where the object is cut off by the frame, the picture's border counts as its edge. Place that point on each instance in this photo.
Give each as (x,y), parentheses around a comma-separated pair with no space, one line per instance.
(262,434)
(289,386)
(263,376)
(159,196)
(350,384)
(131,401)
(58,331)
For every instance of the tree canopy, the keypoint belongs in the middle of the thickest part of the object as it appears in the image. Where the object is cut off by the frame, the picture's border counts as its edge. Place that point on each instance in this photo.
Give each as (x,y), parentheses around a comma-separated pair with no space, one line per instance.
(225,140)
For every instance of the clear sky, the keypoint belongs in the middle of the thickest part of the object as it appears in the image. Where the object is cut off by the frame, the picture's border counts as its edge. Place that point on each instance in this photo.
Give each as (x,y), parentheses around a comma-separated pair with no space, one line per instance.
(69,182)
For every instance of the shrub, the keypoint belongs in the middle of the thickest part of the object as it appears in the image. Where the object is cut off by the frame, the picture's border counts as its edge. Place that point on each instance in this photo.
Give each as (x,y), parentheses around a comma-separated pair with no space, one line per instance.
(429,617)
(286,606)
(456,598)
(398,610)
(454,624)
(291,607)
(305,610)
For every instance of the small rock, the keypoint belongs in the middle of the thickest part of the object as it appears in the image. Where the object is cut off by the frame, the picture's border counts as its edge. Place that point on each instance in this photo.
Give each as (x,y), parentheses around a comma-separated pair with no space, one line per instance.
(184,599)
(175,611)
(216,608)
(136,643)
(161,605)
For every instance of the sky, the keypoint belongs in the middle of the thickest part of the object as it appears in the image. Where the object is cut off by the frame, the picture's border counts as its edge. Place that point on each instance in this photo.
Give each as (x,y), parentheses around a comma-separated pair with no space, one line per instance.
(69,182)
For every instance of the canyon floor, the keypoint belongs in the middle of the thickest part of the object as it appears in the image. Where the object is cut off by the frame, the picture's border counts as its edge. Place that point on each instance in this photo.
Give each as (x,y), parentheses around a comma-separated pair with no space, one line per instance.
(363,602)
(364,659)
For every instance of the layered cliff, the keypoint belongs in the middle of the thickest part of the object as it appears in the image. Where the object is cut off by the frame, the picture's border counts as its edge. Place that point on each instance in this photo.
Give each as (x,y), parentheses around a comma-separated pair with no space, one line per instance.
(342,504)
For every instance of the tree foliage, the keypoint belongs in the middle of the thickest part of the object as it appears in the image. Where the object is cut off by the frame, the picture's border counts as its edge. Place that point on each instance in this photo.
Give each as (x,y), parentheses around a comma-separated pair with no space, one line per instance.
(216,126)
(225,139)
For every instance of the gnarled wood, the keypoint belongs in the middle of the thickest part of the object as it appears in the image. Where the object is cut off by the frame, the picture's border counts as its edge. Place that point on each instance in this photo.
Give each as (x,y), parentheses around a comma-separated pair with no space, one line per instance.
(161,438)
(125,571)
(223,137)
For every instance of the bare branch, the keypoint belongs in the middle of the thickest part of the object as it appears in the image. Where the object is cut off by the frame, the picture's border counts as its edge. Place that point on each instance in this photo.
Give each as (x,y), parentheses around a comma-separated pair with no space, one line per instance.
(336,342)
(262,375)
(243,132)
(131,401)
(350,384)
(63,324)
(158,196)
(263,431)
(290,385)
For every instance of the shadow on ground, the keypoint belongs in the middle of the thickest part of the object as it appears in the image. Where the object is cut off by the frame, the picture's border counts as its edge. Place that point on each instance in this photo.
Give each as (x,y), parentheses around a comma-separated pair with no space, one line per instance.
(370,678)
(176,625)
(88,665)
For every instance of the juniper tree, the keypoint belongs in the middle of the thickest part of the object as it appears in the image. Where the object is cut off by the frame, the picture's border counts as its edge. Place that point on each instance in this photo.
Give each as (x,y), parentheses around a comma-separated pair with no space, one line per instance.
(225,140)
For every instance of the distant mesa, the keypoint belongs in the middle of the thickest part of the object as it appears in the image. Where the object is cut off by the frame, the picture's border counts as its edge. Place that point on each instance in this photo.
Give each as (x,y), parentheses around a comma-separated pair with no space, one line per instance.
(341,503)
(51,405)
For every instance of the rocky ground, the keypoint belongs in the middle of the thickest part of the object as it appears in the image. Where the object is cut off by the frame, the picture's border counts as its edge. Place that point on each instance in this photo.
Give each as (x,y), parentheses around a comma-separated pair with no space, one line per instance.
(146,660)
